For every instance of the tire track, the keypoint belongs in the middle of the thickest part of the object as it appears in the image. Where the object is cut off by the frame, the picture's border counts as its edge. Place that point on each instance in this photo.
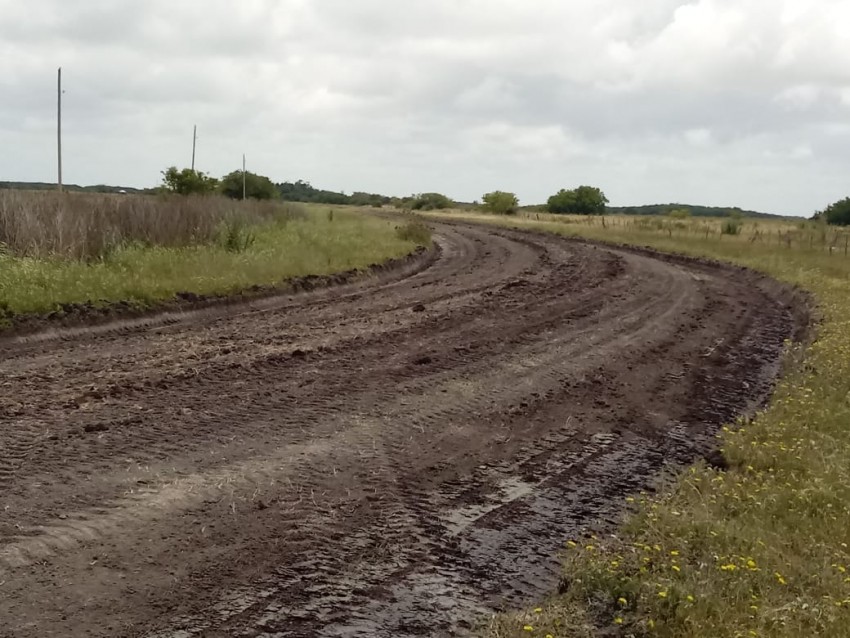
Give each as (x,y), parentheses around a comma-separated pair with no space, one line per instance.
(393,457)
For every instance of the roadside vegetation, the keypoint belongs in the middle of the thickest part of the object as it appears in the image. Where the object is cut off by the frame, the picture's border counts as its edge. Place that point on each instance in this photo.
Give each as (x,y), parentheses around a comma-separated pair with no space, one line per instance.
(759,549)
(500,203)
(584,200)
(837,213)
(84,248)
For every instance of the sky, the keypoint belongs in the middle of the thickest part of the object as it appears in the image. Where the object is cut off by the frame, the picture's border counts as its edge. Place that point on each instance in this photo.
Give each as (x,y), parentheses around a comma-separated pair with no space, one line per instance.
(716,102)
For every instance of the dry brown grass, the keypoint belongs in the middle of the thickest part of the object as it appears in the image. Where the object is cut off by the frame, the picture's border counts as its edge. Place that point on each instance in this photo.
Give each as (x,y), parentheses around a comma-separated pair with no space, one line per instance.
(90,226)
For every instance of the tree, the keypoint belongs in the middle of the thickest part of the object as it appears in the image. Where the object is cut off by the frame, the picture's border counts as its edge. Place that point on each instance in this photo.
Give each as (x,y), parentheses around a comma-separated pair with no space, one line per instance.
(837,214)
(368,199)
(501,203)
(302,191)
(584,200)
(256,186)
(188,182)
(590,200)
(562,202)
(430,201)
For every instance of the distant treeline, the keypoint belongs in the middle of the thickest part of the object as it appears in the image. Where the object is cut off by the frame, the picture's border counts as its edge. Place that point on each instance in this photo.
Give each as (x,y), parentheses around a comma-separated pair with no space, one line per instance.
(694,211)
(667,209)
(73,188)
(302,191)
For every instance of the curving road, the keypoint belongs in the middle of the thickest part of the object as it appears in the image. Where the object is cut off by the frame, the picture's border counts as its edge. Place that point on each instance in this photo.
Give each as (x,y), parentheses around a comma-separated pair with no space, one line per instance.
(396,457)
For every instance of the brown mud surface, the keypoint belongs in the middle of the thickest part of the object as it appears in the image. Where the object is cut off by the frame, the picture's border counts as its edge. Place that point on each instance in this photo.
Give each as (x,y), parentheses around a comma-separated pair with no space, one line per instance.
(399,456)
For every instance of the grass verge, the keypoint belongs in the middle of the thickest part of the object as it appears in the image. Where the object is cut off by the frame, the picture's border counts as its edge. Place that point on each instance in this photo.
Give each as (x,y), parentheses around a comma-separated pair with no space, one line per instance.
(758,550)
(316,243)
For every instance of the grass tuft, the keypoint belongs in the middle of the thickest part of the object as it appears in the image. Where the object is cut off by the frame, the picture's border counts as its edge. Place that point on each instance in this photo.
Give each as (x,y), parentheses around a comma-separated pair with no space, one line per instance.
(415,231)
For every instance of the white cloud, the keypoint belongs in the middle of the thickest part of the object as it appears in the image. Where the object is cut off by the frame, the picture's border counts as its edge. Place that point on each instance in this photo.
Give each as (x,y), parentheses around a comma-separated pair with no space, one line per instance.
(648,100)
(699,137)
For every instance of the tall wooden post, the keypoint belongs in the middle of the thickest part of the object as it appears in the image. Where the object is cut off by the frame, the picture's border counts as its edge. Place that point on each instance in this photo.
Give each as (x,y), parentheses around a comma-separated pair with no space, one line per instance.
(59,126)
(194,142)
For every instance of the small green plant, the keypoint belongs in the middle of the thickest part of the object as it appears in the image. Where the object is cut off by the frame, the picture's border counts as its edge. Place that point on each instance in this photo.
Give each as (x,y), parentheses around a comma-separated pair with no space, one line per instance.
(415,231)
(236,237)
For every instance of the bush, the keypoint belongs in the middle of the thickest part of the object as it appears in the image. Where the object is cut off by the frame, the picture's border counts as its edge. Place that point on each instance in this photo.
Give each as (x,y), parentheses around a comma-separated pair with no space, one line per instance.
(837,214)
(584,200)
(256,186)
(415,231)
(501,203)
(430,201)
(188,182)
(368,199)
(731,227)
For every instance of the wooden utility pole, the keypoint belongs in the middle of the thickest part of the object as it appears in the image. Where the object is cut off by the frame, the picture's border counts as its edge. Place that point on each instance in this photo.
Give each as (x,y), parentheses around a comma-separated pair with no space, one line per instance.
(243,177)
(194,142)
(59,126)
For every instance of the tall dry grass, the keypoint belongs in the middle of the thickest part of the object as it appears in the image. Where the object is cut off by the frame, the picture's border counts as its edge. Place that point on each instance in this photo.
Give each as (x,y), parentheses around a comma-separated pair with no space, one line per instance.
(316,243)
(90,226)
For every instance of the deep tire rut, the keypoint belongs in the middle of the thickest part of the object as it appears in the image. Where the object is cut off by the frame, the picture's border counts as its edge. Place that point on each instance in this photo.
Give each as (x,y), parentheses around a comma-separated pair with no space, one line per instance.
(398,456)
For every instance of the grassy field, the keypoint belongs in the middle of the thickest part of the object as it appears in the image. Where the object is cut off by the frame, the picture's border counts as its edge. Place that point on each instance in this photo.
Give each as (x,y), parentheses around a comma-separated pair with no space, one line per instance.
(760,550)
(232,254)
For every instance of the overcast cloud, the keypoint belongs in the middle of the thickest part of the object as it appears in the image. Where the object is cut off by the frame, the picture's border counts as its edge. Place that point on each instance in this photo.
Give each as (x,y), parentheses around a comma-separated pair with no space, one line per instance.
(721,102)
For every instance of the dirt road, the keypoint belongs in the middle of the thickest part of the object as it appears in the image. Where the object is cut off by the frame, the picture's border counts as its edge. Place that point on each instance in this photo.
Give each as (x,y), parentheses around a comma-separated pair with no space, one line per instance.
(395,457)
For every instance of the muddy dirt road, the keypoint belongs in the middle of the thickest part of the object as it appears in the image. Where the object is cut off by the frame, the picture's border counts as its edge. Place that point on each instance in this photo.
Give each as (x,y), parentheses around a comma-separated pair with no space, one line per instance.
(395,457)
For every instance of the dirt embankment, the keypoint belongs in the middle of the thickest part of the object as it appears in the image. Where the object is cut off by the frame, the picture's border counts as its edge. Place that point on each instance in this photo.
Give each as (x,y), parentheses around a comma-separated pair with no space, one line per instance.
(391,457)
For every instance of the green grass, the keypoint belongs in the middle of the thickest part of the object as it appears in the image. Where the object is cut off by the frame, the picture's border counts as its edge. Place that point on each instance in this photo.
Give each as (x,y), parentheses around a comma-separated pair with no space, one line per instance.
(315,245)
(760,550)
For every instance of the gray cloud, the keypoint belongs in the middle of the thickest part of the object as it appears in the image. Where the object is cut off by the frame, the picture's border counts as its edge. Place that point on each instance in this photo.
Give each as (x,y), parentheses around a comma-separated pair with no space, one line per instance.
(725,102)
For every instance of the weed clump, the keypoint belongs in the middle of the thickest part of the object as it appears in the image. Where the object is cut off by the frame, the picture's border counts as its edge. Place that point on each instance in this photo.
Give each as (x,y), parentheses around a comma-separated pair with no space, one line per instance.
(235,236)
(731,227)
(416,231)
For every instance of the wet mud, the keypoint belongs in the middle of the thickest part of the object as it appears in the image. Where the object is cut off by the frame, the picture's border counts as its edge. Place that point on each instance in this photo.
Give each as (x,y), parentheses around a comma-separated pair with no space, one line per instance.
(398,455)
